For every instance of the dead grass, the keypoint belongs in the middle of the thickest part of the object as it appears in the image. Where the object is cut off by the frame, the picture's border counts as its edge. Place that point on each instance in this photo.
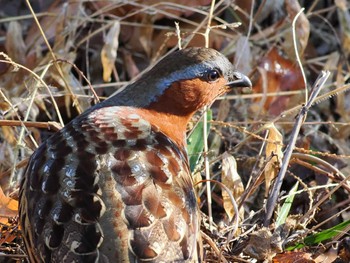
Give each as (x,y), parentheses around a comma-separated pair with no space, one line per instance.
(53,67)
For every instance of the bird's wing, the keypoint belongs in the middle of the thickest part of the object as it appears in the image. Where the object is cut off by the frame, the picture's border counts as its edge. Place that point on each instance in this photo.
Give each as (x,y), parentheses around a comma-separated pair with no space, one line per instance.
(109,183)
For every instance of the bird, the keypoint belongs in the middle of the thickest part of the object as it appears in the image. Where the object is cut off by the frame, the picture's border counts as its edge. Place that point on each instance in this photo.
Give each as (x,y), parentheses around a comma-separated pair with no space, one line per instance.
(114,185)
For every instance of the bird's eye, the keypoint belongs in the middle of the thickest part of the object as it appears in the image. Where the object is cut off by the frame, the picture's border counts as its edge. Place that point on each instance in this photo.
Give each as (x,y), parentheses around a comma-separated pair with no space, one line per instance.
(213,75)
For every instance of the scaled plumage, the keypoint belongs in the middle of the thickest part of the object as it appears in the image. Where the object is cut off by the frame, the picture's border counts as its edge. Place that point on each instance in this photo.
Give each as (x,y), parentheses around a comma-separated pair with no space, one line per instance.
(114,184)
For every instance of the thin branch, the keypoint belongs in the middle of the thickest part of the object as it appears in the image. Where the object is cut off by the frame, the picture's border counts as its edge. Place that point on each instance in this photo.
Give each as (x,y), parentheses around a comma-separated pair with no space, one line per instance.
(50,125)
(297,53)
(205,130)
(214,247)
(324,198)
(272,200)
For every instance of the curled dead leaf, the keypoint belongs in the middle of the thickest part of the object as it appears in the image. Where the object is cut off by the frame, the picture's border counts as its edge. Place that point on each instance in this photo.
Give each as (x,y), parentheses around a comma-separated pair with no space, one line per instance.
(8,207)
(109,51)
(274,155)
(231,179)
(278,74)
(262,245)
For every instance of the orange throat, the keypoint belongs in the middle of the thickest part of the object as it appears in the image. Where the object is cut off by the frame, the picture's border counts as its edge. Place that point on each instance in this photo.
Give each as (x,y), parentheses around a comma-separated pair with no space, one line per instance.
(171,125)
(173,109)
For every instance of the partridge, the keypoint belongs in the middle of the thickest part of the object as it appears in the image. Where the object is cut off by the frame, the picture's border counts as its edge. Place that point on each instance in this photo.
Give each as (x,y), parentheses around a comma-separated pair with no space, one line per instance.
(114,184)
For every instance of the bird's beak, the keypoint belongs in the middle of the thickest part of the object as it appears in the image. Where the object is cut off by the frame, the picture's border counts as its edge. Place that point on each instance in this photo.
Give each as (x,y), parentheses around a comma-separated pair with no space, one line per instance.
(239,80)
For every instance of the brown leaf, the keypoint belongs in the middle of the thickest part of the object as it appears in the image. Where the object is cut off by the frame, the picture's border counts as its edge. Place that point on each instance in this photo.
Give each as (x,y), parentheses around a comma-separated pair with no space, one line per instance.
(9,135)
(231,179)
(8,207)
(8,234)
(292,257)
(4,106)
(68,10)
(145,36)
(15,46)
(302,28)
(261,245)
(281,74)
(344,18)
(328,256)
(109,51)
(274,155)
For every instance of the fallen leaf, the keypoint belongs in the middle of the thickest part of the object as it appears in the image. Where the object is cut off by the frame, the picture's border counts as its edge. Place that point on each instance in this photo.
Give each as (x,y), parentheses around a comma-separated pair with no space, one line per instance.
(260,245)
(292,257)
(109,51)
(8,207)
(328,257)
(15,47)
(281,74)
(274,155)
(9,231)
(231,179)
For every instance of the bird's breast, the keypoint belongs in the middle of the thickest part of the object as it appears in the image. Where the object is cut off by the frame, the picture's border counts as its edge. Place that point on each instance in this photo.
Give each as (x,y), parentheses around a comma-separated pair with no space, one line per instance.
(148,194)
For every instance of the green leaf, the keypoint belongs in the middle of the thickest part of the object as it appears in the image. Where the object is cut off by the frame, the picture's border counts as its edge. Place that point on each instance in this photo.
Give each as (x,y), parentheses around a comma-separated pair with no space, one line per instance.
(324,235)
(195,143)
(284,212)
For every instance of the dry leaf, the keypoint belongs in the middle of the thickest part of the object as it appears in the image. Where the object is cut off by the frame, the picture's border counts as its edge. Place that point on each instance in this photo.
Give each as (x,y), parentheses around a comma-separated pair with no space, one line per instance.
(262,245)
(9,135)
(8,207)
(231,179)
(344,18)
(292,257)
(4,106)
(344,250)
(164,39)
(274,155)
(281,75)
(143,36)
(8,234)
(48,23)
(328,256)
(15,47)
(197,177)
(109,51)
(302,30)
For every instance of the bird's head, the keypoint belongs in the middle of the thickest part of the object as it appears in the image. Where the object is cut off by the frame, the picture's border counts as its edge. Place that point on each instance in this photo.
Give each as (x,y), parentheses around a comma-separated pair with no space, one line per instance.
(183,82)
(179,85)
(190,79)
